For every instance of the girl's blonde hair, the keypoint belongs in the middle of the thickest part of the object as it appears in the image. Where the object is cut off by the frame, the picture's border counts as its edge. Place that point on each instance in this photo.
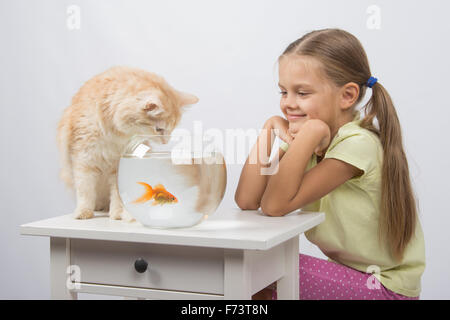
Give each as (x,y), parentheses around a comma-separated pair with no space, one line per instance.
(344,61)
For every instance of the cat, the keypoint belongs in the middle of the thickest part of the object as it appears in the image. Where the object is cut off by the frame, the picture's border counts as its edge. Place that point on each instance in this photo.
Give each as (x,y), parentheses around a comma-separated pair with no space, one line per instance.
(104,114)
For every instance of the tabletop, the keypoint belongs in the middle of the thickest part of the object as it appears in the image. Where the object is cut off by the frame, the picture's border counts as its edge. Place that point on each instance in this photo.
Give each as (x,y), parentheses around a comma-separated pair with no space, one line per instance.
(227,228)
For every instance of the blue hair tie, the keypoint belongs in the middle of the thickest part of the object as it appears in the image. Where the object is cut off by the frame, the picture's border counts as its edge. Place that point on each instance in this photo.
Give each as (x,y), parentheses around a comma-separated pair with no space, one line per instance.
(371,82)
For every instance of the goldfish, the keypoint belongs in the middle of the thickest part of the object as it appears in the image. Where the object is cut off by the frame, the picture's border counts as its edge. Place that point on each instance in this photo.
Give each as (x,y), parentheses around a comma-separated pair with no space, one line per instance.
(158,193)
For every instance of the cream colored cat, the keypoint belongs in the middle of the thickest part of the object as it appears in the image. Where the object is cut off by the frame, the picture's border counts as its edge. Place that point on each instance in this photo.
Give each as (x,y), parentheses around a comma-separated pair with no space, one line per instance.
(104,114)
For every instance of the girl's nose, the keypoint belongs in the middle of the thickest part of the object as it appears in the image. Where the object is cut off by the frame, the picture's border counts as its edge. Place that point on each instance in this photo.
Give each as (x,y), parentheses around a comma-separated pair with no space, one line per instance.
(289,102)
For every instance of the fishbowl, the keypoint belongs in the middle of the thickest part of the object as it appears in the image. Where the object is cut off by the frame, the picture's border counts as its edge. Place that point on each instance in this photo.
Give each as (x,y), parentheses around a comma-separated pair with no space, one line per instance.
(171,181)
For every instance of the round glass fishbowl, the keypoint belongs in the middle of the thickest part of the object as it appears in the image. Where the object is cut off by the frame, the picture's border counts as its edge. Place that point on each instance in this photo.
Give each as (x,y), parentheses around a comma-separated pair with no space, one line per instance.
(171,181)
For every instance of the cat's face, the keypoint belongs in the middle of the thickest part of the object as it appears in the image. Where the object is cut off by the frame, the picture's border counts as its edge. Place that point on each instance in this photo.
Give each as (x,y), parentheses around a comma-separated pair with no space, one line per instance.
(152,111)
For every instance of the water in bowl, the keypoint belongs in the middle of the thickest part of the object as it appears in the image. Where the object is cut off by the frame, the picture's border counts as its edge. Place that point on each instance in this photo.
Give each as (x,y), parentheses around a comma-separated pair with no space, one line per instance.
(197,189)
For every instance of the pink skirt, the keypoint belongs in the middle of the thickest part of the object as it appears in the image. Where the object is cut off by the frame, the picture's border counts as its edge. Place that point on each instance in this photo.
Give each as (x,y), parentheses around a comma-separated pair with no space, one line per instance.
(325,280)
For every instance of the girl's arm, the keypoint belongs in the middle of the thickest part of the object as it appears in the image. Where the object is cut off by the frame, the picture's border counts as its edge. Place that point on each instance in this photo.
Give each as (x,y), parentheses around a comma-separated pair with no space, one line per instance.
(252,182)
(291,187)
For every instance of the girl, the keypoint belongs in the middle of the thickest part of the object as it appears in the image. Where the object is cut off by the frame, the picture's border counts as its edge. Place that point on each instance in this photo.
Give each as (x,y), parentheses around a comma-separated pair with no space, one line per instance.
(350,168)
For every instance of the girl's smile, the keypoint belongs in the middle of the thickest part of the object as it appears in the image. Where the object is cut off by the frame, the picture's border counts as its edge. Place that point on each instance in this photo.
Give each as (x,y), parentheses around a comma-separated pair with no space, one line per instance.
(295,117)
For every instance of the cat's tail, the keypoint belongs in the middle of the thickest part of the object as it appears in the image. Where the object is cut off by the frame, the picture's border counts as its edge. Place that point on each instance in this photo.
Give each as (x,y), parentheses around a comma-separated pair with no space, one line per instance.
(63,141)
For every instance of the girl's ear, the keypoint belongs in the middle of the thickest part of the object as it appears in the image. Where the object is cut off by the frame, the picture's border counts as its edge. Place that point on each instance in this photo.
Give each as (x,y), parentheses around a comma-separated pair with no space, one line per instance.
(186,98)
(349,95)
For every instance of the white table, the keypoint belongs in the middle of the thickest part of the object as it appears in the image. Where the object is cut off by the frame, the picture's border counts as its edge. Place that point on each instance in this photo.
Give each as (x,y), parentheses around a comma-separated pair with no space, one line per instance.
(231,255)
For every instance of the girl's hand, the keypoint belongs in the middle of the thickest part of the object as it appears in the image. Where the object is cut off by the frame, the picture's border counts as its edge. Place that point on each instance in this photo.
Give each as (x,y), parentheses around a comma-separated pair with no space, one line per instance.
(320,128)
(294,128)
(281,127)
(324,143)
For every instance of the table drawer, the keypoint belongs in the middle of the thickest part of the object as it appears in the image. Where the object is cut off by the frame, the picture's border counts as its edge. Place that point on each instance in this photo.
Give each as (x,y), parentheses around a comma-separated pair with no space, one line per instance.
(170,267)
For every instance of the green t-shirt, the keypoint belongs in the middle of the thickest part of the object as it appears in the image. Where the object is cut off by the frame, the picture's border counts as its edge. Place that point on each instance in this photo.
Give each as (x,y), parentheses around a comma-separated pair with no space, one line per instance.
(349,234)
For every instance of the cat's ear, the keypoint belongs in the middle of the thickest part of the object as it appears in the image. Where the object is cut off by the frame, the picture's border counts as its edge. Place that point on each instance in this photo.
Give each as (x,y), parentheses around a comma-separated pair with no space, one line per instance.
(152,108)
(186,98)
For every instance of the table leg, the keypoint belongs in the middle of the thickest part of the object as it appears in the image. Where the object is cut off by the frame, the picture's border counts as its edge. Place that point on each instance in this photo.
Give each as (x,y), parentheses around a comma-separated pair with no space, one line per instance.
(237,275)
(288,285)
(59,263)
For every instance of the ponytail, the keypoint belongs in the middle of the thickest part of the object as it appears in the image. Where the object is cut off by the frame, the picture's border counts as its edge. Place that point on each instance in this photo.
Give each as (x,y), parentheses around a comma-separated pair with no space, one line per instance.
(398,207)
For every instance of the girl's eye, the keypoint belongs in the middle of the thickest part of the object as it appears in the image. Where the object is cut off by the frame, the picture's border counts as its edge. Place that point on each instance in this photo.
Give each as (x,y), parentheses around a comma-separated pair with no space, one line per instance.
(300,93)
(160,130)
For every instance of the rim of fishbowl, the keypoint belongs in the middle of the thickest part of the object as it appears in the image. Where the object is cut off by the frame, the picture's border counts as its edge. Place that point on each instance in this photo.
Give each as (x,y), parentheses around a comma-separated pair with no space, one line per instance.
(174,135)
(205,137)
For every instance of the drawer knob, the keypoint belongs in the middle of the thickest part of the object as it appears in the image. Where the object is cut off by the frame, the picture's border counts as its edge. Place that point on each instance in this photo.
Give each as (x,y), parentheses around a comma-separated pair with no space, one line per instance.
(140,265)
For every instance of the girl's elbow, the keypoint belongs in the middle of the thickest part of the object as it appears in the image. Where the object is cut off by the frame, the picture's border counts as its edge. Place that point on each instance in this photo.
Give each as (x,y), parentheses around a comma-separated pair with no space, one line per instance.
(244,204)
(280,207)
(272,210)
(247,206)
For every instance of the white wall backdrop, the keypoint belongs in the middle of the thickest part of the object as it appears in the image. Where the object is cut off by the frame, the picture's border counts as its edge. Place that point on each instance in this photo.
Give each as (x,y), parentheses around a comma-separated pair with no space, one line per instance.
(224,52)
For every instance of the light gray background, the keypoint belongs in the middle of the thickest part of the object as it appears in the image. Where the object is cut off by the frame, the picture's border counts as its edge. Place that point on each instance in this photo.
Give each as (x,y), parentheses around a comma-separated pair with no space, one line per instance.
(224,52)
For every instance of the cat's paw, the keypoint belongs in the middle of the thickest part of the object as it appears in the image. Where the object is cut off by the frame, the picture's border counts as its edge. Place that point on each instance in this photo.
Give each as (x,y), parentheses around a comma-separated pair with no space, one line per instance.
(127,217)
(121,214)
(115,214)
(83,214)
